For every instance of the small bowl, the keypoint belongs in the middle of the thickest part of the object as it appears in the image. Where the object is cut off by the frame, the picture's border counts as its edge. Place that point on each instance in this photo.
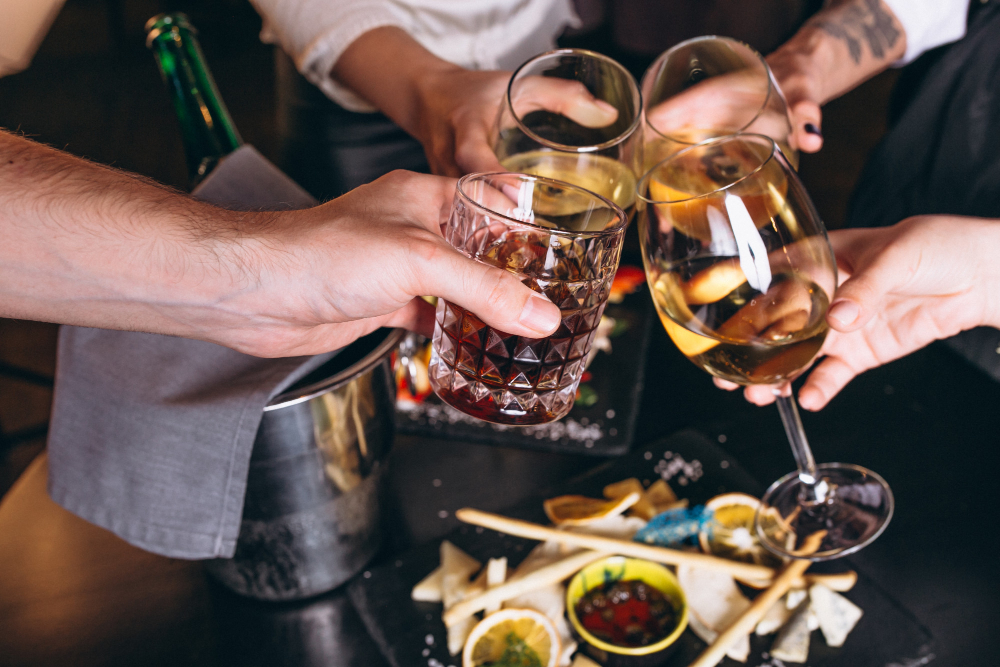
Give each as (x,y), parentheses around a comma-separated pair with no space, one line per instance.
(618,568)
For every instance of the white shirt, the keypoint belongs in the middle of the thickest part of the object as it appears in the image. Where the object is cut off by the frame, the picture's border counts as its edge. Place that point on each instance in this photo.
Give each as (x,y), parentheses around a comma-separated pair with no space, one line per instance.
(929,23)
(476,34)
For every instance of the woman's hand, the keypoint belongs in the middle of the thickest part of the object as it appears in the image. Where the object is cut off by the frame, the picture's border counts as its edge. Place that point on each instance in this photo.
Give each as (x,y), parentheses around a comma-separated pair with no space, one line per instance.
(924,279)
(840,47)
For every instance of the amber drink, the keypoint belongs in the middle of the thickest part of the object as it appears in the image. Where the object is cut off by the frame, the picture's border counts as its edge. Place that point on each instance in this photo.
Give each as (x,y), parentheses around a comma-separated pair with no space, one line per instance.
(561,241)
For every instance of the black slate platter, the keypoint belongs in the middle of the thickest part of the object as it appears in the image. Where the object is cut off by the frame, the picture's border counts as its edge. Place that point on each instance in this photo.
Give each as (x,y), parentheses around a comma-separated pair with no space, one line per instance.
(411,634)
(604,428)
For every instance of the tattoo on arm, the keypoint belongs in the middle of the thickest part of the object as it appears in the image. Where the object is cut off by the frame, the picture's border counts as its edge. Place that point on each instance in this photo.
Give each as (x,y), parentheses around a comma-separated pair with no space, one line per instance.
(864,21)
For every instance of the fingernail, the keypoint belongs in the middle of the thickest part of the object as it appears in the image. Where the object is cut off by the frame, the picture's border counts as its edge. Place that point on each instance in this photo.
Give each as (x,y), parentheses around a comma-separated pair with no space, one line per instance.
(540,315)
(812,129)
(844,312)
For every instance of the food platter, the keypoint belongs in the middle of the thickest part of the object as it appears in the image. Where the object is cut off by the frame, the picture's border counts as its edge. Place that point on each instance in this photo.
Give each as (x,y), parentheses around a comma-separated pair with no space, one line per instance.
(411,634)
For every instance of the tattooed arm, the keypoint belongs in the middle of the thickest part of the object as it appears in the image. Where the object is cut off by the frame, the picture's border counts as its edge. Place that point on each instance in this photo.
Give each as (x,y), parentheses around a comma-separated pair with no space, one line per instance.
(840,47)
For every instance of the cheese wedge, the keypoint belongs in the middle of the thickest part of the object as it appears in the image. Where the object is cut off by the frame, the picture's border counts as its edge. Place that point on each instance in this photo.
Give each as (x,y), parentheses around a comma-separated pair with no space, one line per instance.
(428,589)
(792,644)
(836,614)
(714,604)
(774,619)
(457,567)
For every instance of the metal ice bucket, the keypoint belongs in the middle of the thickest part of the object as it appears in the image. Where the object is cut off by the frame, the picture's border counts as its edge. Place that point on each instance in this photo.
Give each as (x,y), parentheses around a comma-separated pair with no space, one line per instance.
(311,518)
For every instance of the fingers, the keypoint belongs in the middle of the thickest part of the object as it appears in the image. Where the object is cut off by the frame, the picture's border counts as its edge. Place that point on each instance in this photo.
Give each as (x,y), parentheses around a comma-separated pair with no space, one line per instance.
(416,316)
(494,295)
(863,294)
(755,393)
(807,133)
(825,382)
(759,394)
(568,98)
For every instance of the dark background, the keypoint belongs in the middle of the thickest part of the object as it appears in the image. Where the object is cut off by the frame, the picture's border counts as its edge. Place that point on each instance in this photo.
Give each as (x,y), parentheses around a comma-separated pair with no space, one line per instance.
(94,90)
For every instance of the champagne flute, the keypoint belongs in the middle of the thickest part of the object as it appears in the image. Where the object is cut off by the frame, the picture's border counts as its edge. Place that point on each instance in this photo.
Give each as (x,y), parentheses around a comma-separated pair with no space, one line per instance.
(710,87)
(742,273)
(595,145)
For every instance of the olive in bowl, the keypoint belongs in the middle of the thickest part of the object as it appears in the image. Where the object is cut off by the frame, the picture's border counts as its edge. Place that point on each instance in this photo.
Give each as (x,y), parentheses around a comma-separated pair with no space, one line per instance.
(626,612)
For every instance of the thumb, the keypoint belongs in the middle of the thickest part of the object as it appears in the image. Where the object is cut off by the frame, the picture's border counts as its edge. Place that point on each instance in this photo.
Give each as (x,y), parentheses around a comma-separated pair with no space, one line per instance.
(807,124)
(568,98)
(874,276)
(495,296)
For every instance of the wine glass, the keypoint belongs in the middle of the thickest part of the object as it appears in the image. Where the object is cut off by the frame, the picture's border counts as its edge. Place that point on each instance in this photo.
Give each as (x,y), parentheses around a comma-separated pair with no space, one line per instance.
(596,147)
(742,273)
(710,87)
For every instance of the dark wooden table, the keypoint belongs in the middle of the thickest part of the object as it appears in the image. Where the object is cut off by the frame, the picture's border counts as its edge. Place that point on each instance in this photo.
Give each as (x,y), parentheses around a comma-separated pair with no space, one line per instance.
(73,594)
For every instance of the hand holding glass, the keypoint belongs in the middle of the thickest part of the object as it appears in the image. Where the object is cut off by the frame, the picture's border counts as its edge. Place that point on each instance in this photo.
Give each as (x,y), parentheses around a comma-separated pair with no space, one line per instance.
(742,274)
(561,241)
(572,115)
(710,87)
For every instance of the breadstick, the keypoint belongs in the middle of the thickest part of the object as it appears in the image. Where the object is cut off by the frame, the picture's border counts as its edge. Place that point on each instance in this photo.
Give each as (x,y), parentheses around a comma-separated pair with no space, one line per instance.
(544,576)
(611,545)
(842,581)
(749,619)
(745,624)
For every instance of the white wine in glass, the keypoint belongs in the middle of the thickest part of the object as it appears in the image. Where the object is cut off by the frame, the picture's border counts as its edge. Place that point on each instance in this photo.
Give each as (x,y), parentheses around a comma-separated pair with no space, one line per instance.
(742,274)
(603,157)
(710,87)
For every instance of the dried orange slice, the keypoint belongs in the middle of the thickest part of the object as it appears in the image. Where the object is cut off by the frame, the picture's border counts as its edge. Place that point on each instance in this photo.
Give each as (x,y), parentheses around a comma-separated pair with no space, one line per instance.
(730,534)
(580,510)
(513,637)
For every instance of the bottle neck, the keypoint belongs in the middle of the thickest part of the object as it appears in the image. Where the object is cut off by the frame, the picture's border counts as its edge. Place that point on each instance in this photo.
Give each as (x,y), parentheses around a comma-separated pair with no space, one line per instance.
(207,128)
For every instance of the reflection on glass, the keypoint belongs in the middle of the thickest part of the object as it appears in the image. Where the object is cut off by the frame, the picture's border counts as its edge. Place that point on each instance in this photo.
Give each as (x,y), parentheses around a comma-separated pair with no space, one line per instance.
(742,275)
(711,87)
(591,141)
(561,241)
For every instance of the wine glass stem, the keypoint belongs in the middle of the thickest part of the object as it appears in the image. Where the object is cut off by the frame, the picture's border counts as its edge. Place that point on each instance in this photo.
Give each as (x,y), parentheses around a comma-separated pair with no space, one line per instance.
(812,489)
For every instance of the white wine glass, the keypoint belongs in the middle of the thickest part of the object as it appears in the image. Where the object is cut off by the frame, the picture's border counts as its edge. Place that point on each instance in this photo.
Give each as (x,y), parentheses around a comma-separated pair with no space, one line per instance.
(742,273)
(710,87)
(593,143)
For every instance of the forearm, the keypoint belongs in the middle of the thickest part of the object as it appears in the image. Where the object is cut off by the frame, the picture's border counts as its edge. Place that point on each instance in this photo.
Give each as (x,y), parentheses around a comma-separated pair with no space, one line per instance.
(837,49)
(88,245)
(387,68)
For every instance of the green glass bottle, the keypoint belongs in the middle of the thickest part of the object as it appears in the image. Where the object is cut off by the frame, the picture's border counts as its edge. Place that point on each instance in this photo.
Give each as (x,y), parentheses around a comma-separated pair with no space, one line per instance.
(206,126)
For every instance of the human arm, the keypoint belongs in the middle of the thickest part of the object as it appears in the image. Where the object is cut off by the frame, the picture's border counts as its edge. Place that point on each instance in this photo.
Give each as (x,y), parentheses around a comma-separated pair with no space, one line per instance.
(924,279)
(92,246)
(449,109)
(841,46)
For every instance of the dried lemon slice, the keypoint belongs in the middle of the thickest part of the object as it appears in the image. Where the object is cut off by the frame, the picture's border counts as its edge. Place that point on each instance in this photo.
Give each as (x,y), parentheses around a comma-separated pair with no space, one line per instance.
(730,534)
(513,638)
(580,510)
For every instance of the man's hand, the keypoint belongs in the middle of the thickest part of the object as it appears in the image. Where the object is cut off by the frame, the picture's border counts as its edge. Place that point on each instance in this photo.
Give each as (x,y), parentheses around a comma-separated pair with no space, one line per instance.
(924,279)
(92,246)
(322,277)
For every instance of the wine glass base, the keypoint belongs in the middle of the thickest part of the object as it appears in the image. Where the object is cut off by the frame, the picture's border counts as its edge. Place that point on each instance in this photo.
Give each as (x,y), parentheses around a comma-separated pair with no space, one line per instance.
(853,507)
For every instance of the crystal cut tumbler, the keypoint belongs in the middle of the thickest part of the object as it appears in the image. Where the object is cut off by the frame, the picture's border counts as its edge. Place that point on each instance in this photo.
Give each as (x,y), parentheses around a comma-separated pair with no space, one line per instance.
(561,241)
